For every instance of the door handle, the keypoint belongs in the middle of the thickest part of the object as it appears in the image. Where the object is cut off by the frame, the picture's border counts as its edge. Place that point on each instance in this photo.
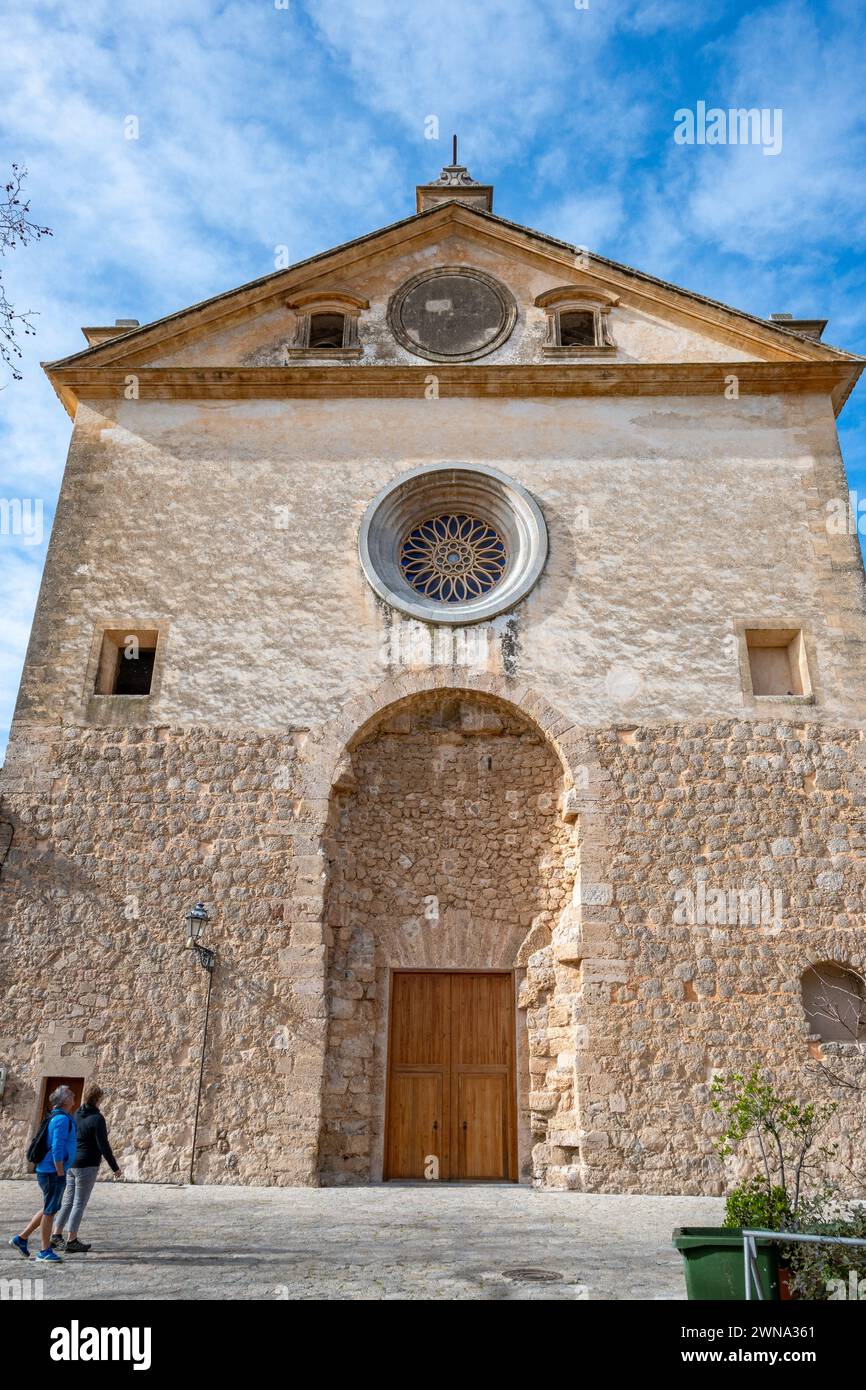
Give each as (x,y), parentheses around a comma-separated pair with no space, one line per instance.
(435,1124)
(464,1124)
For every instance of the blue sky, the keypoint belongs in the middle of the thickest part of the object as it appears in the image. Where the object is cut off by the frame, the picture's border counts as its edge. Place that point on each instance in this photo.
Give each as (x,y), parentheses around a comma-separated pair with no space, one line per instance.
(302,123)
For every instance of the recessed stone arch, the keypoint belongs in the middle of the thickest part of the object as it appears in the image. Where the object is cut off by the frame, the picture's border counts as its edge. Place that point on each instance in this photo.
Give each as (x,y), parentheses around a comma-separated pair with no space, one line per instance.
(449,844)
(834,1001)
(321,755)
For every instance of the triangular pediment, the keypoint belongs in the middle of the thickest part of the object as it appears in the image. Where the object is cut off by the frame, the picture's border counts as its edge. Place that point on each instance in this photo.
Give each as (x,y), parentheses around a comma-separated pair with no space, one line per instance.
(648,321)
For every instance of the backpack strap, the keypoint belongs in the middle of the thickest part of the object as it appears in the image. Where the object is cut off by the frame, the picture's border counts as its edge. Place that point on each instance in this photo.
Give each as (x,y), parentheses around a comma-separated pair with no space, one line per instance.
(69,1120)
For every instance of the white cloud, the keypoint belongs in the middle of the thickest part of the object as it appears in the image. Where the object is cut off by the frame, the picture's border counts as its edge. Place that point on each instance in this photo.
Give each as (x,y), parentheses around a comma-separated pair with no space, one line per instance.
(585,219)
(773,206)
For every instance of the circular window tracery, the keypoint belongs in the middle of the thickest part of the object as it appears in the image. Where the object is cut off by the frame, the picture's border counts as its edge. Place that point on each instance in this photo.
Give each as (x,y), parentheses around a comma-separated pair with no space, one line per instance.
(453,558)
(453,544)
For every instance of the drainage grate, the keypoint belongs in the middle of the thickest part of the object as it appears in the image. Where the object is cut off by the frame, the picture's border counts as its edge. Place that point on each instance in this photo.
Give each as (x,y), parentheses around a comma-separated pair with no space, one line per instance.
(533,1276)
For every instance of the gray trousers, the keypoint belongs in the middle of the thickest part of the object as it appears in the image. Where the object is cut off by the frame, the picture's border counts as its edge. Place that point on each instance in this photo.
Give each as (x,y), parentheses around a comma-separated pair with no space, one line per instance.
(76,1195)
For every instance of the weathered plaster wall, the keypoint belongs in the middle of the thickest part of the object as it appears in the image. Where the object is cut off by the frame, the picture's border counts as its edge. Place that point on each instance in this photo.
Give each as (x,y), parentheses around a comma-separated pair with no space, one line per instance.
(236,524)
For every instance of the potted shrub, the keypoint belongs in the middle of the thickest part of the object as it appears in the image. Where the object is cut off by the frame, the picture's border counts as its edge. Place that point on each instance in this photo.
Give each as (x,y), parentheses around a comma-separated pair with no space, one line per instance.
(781,1136)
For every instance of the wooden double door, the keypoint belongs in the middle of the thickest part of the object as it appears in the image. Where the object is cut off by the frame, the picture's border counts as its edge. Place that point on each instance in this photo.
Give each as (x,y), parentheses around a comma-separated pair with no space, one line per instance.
(451,1104)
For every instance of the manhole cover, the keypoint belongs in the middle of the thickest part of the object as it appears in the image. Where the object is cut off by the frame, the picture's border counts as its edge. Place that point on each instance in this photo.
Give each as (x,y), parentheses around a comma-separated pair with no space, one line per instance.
(532,1276)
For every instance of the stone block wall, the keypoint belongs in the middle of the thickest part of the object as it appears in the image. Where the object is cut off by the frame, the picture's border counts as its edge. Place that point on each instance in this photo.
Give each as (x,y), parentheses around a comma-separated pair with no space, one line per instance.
(728,858)
(619,868)
(116,834)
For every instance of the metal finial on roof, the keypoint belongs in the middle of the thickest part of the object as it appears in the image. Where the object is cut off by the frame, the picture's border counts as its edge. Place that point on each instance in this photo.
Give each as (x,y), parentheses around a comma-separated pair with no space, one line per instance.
(456,175)
(455,183)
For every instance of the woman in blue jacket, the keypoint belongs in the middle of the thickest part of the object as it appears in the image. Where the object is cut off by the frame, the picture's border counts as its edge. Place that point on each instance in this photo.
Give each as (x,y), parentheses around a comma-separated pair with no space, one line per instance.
(51,1174)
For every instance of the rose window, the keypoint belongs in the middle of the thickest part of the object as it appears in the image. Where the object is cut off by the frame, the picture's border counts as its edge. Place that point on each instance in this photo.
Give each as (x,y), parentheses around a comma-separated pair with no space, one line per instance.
(453,558)
(452,544)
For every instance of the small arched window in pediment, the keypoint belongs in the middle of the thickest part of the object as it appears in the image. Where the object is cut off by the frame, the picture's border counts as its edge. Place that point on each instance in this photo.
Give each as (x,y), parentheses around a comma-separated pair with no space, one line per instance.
(326,324)
(578,319)
(577,328)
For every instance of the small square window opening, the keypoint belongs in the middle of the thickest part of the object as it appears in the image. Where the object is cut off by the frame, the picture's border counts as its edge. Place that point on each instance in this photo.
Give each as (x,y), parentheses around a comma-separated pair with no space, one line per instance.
(126,662)
(777,662)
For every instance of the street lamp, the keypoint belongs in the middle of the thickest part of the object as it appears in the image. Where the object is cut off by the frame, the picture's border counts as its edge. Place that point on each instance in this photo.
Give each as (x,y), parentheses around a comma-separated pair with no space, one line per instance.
(196,919)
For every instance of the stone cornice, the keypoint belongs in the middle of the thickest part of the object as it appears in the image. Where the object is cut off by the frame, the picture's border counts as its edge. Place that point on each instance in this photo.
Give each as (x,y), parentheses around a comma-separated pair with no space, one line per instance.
(75,382)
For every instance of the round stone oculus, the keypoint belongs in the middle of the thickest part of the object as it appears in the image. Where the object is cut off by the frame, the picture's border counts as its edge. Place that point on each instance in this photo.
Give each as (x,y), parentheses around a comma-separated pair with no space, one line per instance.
(452,314)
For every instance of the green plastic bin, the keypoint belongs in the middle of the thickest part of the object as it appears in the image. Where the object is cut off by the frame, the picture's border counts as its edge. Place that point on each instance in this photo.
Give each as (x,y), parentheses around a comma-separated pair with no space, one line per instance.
(714,1263)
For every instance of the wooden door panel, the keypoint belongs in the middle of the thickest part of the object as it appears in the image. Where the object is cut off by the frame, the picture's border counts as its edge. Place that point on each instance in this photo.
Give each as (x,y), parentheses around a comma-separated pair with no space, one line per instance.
(415,1129)
(420,1006)
(451,1076)
(482,1116)
(482,1020)
(50,1084)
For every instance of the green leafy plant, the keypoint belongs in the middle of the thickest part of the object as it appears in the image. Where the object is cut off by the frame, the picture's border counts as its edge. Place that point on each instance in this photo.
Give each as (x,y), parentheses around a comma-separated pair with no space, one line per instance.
(781,1133)
(750,1205)
(783,1137)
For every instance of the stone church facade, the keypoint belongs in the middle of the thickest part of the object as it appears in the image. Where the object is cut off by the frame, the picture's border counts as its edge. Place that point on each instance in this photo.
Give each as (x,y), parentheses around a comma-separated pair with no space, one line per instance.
(459,616)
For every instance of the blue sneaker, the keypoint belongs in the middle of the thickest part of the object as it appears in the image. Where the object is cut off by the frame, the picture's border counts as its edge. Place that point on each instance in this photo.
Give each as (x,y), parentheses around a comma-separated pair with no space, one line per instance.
(48,1257)
(21,1246)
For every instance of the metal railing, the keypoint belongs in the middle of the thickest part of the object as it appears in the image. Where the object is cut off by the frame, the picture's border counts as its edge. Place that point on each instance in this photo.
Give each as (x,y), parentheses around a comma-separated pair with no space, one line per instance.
(750,1252)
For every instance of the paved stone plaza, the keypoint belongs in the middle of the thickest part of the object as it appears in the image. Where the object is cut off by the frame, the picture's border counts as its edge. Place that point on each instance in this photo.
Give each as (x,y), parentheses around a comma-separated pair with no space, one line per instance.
(362,1243)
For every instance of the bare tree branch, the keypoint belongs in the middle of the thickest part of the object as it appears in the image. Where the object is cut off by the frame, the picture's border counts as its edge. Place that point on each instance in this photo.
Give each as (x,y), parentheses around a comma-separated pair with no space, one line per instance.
(16,229)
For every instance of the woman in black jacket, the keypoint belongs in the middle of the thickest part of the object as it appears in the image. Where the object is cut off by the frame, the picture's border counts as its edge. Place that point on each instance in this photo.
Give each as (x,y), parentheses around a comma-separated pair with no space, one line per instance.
(91,1147)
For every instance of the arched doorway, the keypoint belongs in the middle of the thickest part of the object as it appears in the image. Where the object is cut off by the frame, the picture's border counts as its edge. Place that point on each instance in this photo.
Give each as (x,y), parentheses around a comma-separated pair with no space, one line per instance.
(449,864)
